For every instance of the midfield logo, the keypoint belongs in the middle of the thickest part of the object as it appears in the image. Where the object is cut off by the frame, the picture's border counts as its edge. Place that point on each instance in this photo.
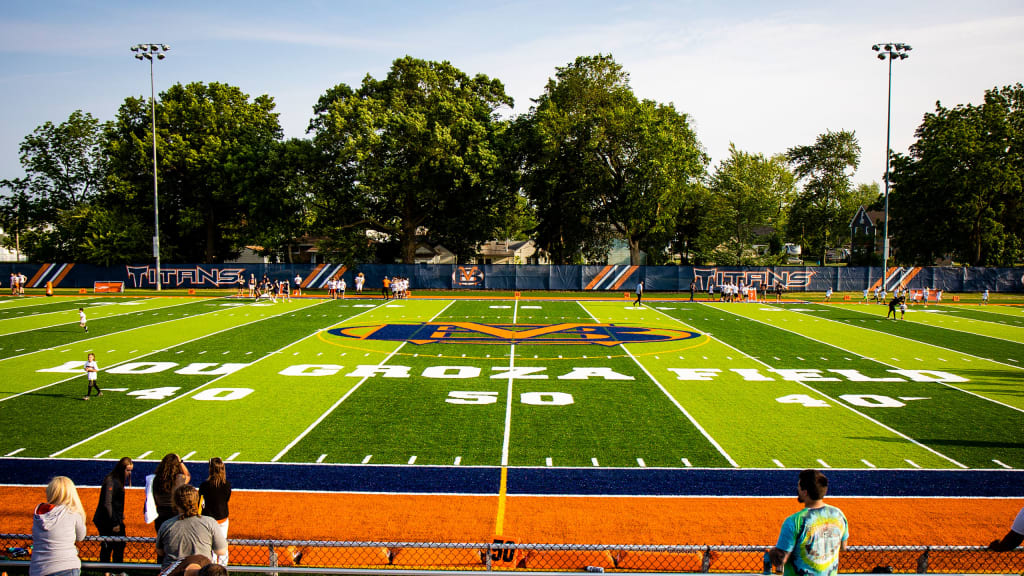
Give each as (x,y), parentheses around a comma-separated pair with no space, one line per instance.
(546,334)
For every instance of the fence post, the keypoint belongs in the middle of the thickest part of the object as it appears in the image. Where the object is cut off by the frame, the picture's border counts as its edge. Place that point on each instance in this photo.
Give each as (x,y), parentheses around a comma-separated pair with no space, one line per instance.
(272,560)
(922,562)
(490,550)
(705,563)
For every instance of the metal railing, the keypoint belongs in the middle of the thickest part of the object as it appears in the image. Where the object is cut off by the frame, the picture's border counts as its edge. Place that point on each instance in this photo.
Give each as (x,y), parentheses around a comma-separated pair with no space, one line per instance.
(329,557)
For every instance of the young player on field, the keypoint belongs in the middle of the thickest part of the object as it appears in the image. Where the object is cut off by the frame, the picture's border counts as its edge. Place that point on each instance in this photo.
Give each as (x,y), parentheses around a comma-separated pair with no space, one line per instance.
(81,319)
(91,371)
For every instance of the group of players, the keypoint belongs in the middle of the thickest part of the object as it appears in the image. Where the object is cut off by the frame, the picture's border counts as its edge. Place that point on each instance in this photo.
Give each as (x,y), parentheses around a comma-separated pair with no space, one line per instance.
(732,292)
(337,285)
(395,287)
(18,281)
(266,288)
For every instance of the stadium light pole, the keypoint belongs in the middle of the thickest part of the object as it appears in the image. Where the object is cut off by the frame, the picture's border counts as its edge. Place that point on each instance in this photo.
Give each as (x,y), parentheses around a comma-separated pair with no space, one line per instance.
(888,51)
(153,52)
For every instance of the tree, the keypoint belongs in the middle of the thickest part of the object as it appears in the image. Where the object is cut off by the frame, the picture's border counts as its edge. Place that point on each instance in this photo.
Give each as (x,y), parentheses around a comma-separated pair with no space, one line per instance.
(614,162)
(64,170)
(959,191)
(215,157)
(702,225)
(756,192)
(414,152)
(825,167)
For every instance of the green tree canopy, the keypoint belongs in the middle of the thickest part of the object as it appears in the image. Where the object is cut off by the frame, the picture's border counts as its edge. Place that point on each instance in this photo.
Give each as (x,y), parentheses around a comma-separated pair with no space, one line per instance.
(64,170)
(216,158)
(416,151)
(756,192)
(959,191)
(821,213)
(615,163)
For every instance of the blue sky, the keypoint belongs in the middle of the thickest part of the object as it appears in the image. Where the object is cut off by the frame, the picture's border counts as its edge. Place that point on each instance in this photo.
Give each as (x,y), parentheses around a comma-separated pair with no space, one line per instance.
(764,75)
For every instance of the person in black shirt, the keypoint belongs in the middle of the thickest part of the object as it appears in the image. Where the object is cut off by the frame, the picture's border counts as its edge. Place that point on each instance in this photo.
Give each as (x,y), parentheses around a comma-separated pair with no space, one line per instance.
(109,516)
(216,492)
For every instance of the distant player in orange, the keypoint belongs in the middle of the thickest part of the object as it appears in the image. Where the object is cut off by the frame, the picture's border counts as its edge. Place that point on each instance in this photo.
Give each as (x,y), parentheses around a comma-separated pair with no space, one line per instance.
(386,289)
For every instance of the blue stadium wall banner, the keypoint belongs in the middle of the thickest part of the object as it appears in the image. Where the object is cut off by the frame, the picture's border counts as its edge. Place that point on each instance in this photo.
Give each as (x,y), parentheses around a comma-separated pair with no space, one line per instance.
(620,278)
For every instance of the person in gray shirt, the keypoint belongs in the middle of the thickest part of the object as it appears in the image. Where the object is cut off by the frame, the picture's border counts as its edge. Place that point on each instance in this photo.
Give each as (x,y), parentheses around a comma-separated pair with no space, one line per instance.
(190,532)
(56,525)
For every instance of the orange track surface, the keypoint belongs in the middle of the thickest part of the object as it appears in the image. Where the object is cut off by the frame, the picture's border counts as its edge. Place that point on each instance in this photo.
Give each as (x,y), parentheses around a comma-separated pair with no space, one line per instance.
(572,520)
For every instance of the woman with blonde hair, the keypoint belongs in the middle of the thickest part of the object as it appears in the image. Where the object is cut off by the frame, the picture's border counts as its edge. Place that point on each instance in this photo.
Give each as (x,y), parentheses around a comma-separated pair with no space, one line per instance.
(56,525)
(190,532)
(215,492)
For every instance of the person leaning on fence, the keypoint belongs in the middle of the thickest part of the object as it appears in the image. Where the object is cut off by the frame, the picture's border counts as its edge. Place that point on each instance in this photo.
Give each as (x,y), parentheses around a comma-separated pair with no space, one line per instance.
(1013,538)
(810,540)
(109,516)
(195,565)
(190,532)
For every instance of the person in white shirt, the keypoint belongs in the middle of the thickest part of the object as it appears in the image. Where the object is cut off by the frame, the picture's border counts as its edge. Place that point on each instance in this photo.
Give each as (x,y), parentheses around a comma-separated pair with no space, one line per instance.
(91,370)
(81,319)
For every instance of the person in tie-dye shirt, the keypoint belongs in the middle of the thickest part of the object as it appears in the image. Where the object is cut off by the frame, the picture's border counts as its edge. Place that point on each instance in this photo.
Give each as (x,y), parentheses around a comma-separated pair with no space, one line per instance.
(810,540)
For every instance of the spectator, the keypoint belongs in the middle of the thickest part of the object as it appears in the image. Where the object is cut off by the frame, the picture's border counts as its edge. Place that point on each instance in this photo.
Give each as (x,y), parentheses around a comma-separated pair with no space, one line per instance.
(216,492)
(810,540)
(190,532)
(171,474)
(196,565)
(56,525)
(109,516)
(1013,538)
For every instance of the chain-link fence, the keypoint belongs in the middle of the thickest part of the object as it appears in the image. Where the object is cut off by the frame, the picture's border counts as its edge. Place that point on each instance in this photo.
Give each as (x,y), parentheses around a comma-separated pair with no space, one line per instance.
(322,556)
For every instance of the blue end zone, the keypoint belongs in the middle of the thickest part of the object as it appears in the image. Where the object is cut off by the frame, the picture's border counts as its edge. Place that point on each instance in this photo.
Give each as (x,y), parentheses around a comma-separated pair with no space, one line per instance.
(546,481)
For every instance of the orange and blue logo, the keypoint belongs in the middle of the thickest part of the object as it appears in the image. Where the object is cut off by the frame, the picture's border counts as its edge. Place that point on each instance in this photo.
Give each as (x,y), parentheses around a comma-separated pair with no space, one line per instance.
(529,334)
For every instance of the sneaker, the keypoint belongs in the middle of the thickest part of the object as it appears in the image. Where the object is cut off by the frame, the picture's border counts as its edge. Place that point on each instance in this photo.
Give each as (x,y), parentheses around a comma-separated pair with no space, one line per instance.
(85,397)
(100,394)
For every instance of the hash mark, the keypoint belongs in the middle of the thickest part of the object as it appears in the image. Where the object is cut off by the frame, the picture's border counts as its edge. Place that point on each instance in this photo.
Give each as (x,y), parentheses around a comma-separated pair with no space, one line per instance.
(233,456)
(823,463)
(779,464)
(14,452)
(687,463)
(458,460)
(412,460)
(868,464)
(1003,465)
(593,461)
(547,462)
(100,455)
(189,455)
(144,454)
(641,463)
(912,463)
(321,458)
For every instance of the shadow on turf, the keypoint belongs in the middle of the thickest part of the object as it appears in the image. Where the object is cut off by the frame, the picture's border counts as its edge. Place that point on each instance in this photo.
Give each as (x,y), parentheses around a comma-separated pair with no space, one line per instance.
(948,442)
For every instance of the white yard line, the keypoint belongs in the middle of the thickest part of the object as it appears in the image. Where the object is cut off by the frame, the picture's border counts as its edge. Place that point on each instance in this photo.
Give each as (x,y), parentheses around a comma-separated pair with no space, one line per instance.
(143,355)
(101,335)
(822,394)
(672,398)
(189,393)
(507,434)
(948,385)
(334,406)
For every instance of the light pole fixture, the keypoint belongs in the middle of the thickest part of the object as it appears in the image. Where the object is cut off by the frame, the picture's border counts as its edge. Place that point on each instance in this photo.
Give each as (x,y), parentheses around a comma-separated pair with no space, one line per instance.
(153,52)
(888,51)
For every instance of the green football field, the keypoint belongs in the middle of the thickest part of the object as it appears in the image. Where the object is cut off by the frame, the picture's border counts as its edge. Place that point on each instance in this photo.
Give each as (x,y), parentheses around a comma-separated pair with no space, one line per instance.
(505,382)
